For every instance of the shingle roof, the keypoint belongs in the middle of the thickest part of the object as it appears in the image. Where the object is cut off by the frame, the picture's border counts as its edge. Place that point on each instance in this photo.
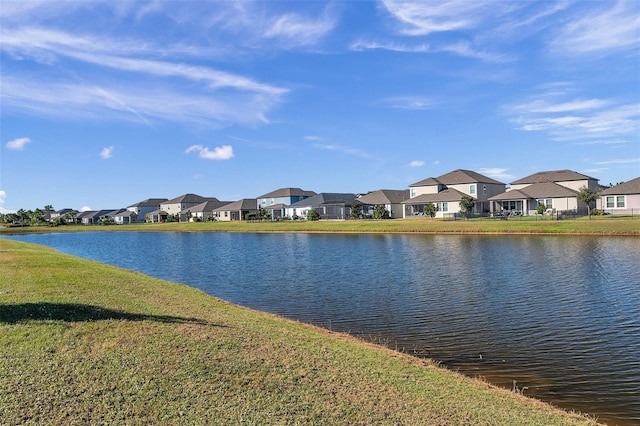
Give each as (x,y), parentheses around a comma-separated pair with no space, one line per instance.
(288,192)
(442,196)
(243,204)
(630,187)
(149,202)
(325,198)
(189,198)
(553,176)
(457,177)
(536,191)
(207,206)
(385,196)
(427,182)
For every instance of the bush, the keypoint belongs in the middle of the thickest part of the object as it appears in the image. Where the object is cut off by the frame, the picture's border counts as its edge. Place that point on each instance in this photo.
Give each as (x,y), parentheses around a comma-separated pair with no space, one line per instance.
(313,215)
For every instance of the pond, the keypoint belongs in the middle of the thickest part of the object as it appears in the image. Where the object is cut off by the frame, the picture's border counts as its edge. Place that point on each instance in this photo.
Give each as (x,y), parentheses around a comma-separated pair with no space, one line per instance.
(557,316)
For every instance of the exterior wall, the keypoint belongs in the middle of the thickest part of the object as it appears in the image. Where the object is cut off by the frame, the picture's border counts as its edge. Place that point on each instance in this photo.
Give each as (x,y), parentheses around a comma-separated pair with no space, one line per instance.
(414,191)
(266,202)
(557,204)
(631,201)
(577,184)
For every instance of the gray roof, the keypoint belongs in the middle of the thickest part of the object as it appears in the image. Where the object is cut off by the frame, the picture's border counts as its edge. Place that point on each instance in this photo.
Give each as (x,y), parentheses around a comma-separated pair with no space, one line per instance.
(457,177)
(442,196)
(189,198)
(288,192)
(536,191)
(326,198)
(243,204)
(385,196)
(626,188)
(149,202)
(427,182)
(127,213)
(207,206)
(553,176)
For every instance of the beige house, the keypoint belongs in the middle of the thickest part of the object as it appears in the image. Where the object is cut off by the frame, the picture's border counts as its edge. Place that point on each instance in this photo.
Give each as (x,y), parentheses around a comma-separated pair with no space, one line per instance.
(391,199)
(557,190)
(446,192)
(623,198)
(201,212)
(175,206)
(238,210)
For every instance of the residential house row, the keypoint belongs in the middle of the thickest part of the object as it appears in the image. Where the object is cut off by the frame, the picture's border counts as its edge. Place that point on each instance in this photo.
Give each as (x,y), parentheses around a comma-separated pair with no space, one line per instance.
(557,190)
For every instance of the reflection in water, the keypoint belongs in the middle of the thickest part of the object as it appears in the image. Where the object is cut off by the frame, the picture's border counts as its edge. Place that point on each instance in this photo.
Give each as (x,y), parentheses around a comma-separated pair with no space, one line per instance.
(557,315)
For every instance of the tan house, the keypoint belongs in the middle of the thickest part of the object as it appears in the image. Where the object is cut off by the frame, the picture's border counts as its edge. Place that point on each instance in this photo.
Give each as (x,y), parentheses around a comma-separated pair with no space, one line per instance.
(238,210)
(391,199)
(201,212)
(446,192)
(175,206)
(623,198)
(557,190)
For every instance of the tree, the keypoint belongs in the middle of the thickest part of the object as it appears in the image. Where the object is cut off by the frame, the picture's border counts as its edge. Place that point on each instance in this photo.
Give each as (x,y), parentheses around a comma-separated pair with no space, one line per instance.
(588,196)
(356,210)
(430,210)
(467,204)
(313,215)
(540,208)
(380,212)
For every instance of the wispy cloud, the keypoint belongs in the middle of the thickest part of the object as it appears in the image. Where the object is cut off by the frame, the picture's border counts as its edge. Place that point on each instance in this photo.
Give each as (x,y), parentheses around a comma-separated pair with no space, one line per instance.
(620,161)
(313,138)
(577,120)
(416,163)
(362,45)
(409,102)
(18,144)
(293,29)
(107,152)
(605,28)
(343,149)
(497,173)
(224,152)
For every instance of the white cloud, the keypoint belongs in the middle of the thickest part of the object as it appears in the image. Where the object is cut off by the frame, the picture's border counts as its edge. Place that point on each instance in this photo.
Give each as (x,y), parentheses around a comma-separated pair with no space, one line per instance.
(606,28)
(224,152)
(295,30)
(18,144)
(85,208)
(3,196)
(416,163)
(577,120)
(107,152)
(342,148)
(496,173)
(620,161)
(312,138)
(409,102)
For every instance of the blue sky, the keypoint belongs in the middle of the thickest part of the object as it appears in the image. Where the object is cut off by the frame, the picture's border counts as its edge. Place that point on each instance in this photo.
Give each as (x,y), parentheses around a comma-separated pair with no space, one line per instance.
(104,104)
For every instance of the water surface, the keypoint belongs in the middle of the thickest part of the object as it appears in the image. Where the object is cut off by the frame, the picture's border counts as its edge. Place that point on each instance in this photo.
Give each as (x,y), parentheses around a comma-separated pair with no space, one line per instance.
(556,315)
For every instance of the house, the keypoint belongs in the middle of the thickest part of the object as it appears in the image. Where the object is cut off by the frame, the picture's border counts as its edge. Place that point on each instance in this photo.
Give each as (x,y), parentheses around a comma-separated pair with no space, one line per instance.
(622,198)
(328,206)
(391,199)
(238,210)
(446,192)
(175,206)
(156,216)
(201,212)
(143,208)
(276,201)
(556,189)
(125,217)
(68,215)
(95,217)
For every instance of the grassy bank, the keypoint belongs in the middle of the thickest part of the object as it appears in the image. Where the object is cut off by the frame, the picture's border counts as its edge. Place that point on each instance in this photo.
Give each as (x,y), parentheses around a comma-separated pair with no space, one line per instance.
(87,343)
(528,225)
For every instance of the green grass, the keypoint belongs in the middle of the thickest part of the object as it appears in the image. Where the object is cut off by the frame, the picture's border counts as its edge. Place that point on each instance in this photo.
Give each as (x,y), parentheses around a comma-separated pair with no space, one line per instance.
(526,225)
(87,343)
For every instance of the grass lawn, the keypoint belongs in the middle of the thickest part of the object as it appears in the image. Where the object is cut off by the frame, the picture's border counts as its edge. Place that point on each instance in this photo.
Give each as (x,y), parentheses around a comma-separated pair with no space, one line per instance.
(87,343)
(525,225)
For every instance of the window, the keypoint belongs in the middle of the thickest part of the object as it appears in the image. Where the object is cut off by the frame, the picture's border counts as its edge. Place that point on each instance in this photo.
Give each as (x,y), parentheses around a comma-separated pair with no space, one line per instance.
(484,189)
(610,202)
(548,202)
(472,189)
(413,192)
(617,201)
(442,207)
